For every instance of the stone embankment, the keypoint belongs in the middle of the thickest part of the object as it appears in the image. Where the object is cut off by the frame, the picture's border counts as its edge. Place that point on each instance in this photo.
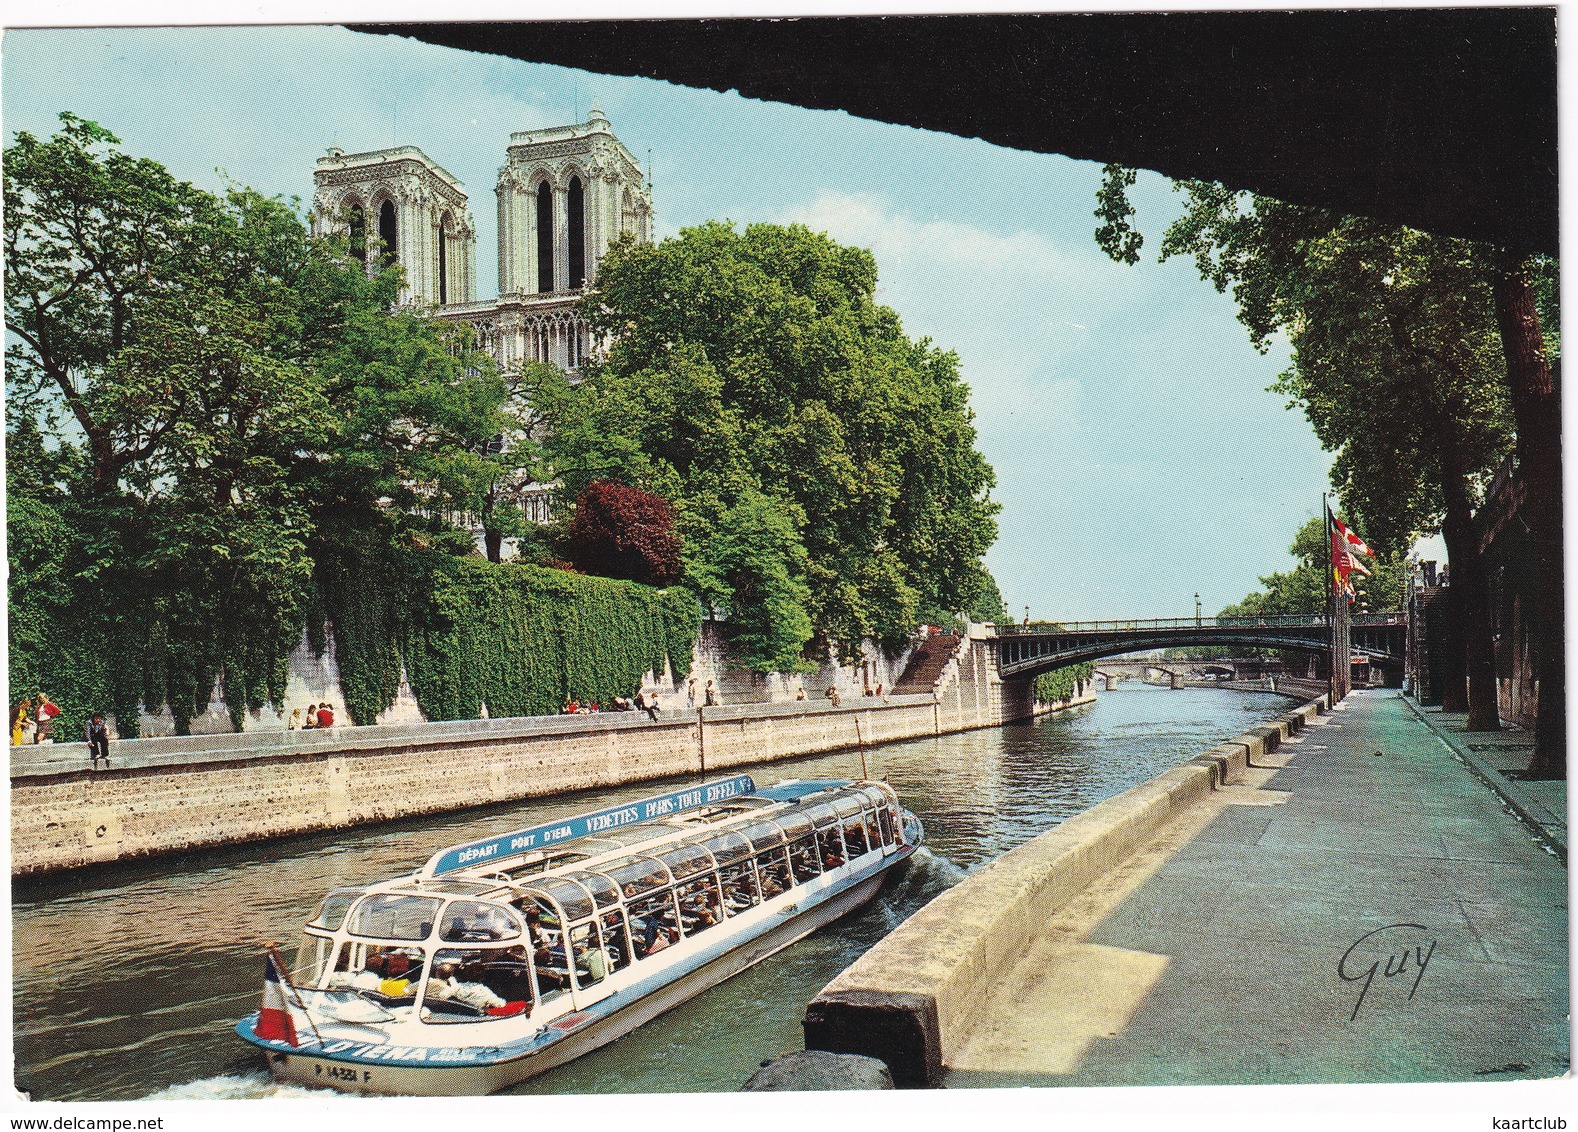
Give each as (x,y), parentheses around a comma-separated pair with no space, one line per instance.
(916,998)
(182,793)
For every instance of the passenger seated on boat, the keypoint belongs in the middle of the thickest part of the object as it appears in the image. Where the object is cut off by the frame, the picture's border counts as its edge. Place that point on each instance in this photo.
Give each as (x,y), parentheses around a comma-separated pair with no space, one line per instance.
(855,838)
(831,860)
(665,937)
(551,974)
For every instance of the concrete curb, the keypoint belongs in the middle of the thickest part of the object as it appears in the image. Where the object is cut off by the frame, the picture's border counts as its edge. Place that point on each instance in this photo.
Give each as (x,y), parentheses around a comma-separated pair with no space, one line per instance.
(912,1000)
(1498,782)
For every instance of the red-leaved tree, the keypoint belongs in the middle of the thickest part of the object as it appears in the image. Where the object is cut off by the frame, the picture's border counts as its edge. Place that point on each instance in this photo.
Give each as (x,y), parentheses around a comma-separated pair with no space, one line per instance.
(624,532)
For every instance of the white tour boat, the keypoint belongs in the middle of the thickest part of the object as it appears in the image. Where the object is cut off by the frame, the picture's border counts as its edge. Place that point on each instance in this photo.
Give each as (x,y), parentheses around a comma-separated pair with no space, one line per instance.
(504,957)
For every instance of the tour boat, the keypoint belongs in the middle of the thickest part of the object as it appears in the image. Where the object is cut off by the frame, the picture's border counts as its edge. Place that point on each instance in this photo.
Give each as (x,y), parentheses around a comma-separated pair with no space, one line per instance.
(504,957)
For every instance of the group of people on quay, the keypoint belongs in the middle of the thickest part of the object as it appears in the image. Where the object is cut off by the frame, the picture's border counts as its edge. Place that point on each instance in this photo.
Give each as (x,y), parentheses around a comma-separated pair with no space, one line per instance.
(646,699)
(317,716)
(32,720)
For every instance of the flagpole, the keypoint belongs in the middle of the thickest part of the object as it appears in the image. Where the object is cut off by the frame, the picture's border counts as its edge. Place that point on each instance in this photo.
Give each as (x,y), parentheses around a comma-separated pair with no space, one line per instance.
(284,974)
(1331,602)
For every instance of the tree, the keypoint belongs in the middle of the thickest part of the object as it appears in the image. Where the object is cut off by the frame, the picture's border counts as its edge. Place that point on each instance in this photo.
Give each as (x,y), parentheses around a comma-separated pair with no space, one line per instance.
(1393,362)
(203,400)
(752,373)
(624,532)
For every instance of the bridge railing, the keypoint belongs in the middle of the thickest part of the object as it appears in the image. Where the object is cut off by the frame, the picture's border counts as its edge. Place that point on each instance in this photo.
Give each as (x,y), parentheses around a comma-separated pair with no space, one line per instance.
(1272,621)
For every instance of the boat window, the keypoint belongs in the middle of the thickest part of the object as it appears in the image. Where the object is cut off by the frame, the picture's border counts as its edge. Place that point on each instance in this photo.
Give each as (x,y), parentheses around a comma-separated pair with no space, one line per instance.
(847,805)
(591,960)
(740,890)
(573,900)
(821,815)
(616,940)
(331,911)
(653,923)
(793,823)
(700,906)
(885,823)
(725,846)
(686,860)
(876,797)
(804,860)
(390,915)
(603,890)
(831,843)
(773,868)
(466,921)
(763,835)
(855,836)
(637,875)
(312,960)
(477,984)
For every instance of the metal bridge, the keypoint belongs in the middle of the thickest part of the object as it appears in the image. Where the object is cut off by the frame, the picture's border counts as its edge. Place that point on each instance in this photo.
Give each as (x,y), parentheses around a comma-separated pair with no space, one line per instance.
(1026,650)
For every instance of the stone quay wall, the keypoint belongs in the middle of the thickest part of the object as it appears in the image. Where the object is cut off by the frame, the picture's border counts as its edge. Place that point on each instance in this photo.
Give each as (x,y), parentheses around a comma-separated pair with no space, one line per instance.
(914,999)
(182,793)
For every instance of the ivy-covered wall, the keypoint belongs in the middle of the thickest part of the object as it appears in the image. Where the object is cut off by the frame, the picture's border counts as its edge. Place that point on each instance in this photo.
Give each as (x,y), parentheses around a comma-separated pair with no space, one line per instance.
(1060,683)
(520,639)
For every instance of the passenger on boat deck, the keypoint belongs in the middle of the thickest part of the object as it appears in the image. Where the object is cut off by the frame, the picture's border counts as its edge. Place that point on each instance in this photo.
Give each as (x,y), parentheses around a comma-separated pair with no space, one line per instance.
(663,940)
(831,860)
(546,961)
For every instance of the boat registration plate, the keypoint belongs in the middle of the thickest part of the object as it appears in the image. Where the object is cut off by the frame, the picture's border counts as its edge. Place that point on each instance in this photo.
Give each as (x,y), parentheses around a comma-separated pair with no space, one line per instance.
(342,1073)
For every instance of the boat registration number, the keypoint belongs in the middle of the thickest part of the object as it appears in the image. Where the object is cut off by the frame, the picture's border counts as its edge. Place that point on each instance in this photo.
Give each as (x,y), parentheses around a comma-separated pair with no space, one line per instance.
(342,1072)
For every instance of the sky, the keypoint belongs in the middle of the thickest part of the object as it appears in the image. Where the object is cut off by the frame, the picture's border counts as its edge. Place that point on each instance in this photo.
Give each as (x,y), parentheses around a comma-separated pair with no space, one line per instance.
(1139,458)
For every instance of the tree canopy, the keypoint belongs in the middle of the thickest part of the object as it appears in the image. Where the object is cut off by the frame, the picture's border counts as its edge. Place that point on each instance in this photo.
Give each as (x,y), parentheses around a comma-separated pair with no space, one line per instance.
(821,465)
(206,409)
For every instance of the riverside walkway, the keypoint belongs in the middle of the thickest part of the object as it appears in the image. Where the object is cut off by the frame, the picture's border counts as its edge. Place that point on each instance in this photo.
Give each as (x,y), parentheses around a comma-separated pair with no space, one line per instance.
(1366,910)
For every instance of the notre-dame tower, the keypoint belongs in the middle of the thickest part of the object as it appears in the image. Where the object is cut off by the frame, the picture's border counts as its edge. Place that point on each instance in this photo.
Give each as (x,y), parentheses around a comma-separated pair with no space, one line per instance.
(401,204)
(565,193)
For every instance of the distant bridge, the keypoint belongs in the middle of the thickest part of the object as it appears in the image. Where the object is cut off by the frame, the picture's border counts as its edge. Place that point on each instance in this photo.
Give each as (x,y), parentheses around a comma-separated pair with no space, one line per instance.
(1027,650)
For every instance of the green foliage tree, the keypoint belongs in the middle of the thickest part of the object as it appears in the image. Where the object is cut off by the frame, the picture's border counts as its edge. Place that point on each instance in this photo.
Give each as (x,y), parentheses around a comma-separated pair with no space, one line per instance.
(204,405)
(753,373)
(1395,362)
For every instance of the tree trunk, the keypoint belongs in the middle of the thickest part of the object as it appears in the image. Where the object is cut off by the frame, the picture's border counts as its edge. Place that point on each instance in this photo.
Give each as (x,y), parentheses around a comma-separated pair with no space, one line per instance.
(1468,580)
(493,543)
(1536,404)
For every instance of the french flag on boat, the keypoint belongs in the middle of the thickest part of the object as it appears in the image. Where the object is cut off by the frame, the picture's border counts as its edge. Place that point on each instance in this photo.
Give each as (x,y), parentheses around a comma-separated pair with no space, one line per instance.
(274,1022)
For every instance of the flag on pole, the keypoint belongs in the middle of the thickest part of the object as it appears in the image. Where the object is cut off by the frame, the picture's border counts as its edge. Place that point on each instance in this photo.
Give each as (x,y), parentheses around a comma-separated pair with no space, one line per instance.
(274,1022)
(1345,548)
(1353,543)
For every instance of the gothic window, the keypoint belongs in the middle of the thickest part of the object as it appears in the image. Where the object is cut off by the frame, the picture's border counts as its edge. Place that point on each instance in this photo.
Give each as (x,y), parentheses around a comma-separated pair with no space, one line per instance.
(358,233)
(627,215)
(386,230)
(544,237)
(443,259)
(577,234)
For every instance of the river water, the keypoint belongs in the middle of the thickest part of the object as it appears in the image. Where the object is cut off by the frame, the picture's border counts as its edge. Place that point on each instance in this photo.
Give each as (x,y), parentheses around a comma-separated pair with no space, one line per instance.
(128,980)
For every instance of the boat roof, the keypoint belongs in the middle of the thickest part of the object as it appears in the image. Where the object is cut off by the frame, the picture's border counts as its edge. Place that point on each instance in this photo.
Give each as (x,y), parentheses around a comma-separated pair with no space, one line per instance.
(615,829)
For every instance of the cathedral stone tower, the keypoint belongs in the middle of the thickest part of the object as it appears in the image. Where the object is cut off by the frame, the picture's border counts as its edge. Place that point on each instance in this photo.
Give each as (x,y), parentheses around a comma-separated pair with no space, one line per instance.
(401,203)
(565,194)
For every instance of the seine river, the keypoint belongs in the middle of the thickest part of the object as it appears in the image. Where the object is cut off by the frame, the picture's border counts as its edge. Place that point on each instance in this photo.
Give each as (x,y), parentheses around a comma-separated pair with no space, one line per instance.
(127,982)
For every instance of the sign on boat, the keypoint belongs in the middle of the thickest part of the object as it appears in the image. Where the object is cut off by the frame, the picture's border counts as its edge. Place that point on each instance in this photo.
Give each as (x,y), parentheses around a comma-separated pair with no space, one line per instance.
(504,957)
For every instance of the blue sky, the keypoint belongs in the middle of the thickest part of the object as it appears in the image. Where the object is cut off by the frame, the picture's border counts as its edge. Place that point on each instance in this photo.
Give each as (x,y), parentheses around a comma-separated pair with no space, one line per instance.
(1139,459)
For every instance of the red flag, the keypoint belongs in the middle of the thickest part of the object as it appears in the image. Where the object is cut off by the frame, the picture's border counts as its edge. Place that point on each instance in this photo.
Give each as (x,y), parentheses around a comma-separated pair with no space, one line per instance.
(1354,544)
(274,1022)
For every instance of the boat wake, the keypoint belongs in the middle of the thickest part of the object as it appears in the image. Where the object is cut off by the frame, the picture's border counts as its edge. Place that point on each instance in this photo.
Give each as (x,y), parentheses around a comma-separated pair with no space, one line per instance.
(237,1087)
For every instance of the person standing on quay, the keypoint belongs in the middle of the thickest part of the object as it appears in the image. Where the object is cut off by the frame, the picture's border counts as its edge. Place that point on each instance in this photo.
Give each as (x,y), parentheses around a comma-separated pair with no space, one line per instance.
(690,692)
(46,713)
(19,722)
(712,695)
(97,733)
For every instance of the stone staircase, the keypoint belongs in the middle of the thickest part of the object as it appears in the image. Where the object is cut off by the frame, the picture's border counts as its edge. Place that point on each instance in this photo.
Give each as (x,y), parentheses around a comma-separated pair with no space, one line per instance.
(926,665)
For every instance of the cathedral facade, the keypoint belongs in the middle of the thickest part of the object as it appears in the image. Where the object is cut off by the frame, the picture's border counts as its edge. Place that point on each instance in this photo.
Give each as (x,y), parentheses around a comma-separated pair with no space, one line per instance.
(564,194)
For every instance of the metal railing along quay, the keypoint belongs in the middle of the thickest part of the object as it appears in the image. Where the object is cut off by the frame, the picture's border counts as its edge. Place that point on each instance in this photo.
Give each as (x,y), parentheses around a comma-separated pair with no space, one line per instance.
(1274,621)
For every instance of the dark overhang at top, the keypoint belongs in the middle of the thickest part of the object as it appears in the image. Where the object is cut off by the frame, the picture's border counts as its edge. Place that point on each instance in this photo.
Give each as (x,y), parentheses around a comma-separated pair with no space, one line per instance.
(1442,119)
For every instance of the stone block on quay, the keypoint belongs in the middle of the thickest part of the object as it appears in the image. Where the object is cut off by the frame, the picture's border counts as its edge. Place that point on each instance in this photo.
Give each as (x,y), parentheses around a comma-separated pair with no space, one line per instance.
(814,1070)
(899,1030)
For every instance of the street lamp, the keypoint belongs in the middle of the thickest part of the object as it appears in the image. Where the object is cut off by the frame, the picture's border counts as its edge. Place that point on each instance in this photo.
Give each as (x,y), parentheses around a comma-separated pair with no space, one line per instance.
(1197,620)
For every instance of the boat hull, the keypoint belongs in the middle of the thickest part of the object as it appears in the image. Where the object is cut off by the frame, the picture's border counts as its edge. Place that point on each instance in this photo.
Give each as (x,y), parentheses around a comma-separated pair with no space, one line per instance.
(478,1079)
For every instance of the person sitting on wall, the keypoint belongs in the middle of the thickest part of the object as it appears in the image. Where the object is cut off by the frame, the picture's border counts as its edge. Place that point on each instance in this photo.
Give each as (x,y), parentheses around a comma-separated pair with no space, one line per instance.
(571,707)
(312,718)
(622,704)
(325,715)
(648,702)
(799,694)
(832,695)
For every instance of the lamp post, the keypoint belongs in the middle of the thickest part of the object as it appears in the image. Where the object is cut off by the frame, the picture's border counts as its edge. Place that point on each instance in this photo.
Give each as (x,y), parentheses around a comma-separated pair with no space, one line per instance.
(1197,621)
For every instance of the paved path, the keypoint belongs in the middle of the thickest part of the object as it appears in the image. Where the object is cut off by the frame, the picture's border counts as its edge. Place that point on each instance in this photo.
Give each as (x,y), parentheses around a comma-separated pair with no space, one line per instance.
(1236,949)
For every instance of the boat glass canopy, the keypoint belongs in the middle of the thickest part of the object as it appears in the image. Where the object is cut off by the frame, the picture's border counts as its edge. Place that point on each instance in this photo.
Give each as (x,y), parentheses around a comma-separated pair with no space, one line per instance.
(393,915)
